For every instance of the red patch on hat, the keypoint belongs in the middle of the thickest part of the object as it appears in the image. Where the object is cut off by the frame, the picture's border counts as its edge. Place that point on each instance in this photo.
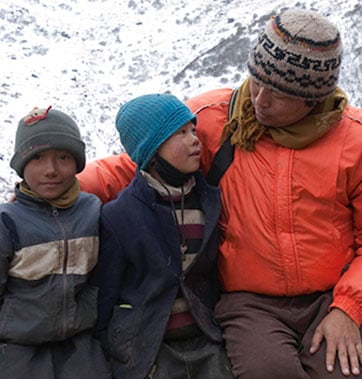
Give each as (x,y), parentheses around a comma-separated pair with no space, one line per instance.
(36,115)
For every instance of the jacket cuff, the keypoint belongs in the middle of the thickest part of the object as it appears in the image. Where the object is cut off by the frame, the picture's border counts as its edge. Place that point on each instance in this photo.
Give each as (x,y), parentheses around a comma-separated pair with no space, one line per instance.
(349,306)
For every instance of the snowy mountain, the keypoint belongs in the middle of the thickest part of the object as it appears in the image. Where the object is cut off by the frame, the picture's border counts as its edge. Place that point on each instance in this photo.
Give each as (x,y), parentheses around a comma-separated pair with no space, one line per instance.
(86,57)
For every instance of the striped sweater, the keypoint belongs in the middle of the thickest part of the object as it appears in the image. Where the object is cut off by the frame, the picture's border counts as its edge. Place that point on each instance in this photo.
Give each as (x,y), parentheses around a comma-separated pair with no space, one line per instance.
(190,221)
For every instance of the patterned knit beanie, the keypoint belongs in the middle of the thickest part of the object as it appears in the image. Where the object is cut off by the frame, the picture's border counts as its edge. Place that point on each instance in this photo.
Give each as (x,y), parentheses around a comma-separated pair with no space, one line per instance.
(44,129)
(145,122)
(299,54)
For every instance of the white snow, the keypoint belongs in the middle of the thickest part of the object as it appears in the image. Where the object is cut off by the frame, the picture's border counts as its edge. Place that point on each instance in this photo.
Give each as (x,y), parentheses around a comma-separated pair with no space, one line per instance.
(86,57)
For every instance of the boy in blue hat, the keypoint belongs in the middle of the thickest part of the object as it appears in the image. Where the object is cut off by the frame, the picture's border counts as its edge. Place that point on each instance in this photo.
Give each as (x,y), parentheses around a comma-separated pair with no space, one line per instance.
(159,243)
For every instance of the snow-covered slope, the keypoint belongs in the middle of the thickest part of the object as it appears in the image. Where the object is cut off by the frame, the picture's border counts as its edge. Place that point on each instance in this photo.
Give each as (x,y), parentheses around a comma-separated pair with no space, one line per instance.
(88,56)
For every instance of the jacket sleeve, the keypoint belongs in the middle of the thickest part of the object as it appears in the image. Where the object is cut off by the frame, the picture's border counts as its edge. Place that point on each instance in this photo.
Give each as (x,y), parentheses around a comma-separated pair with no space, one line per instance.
(6,254)
(106,177)
(348,290)
(4,266)
(108,276)
(211,109)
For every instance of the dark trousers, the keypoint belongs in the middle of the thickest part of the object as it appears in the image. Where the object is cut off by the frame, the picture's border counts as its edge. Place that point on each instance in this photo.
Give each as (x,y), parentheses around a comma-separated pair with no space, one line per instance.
(269,337)
(79,357)
(195,358)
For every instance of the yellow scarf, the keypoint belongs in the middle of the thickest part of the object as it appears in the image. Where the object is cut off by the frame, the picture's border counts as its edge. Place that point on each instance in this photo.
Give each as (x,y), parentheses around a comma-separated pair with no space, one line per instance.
(63,201)
(246,130)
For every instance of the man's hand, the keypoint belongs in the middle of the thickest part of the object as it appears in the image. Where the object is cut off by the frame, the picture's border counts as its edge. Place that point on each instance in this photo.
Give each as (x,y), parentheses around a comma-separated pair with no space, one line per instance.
(343,339)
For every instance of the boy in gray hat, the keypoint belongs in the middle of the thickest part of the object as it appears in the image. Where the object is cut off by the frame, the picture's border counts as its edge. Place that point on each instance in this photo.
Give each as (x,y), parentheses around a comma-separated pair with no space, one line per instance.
(157,265)
(48,247)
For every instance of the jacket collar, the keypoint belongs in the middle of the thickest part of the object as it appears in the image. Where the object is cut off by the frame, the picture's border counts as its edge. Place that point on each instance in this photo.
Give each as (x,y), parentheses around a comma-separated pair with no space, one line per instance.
(209,200)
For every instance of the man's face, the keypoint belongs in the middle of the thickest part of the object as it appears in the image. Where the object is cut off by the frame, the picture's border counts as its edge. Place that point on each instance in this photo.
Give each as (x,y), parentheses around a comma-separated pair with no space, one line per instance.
(275,109)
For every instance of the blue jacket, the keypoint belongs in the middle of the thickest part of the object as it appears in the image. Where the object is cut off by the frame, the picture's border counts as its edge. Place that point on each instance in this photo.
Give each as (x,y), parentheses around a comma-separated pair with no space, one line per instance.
(46,255)
(140,275)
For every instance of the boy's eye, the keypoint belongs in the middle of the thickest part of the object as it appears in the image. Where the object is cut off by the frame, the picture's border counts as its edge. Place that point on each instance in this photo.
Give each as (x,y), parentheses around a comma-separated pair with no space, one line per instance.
(36,157)
(64,157)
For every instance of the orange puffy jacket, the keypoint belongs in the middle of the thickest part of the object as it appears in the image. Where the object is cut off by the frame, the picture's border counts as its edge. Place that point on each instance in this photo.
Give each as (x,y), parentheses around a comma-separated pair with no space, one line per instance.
(291,219)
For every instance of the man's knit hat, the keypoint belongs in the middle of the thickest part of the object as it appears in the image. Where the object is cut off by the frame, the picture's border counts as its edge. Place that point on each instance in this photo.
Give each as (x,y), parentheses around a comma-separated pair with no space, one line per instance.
(147,121)
(45,129)
(299,54)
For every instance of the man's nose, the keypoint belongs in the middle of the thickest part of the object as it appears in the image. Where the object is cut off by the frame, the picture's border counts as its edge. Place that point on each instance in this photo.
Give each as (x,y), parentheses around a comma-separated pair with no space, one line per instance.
(262,98)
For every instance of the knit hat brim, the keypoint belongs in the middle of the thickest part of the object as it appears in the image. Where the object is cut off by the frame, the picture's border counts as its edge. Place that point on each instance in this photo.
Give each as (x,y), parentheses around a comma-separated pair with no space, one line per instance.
(148,147)
(45,142)
(55,130)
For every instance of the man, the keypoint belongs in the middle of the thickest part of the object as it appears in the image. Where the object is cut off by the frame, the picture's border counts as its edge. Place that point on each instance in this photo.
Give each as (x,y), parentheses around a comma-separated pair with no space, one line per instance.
(290,260)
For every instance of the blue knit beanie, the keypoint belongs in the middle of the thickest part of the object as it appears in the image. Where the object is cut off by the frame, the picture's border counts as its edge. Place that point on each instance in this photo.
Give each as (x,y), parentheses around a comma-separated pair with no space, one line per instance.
(147,121)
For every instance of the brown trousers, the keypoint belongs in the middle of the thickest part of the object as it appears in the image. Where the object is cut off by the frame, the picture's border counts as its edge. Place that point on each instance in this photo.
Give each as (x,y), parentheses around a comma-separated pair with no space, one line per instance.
(269,337)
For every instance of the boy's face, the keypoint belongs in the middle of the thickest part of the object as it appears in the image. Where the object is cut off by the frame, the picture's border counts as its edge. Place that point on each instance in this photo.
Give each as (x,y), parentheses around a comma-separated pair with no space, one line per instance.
(183,149)
(50,173)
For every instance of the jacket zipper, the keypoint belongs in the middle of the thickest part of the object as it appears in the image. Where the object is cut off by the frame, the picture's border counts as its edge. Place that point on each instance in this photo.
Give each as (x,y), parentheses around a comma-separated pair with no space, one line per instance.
(64,273)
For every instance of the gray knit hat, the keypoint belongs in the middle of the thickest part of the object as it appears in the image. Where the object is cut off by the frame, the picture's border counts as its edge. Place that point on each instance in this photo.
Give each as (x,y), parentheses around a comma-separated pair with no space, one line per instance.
(147,121)
(44,129)
(299,53)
